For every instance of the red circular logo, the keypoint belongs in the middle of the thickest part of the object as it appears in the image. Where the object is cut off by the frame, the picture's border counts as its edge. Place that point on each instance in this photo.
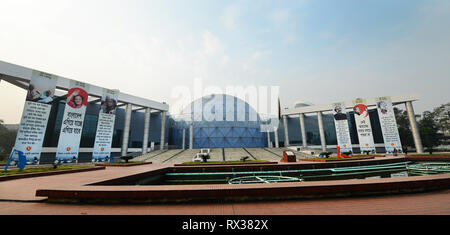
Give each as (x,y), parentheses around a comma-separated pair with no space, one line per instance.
(28,148)
(68,149)
(361,109)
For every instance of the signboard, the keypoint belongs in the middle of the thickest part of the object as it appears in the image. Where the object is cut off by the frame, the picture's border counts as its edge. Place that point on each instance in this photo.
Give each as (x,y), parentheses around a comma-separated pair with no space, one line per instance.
(36,111)
(363,126)
(388,125)
(342,130)
(105,126)
(72,123)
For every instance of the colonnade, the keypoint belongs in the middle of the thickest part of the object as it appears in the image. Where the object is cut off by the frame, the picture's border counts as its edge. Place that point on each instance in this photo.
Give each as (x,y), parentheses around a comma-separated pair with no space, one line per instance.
(147,120)
(409,109)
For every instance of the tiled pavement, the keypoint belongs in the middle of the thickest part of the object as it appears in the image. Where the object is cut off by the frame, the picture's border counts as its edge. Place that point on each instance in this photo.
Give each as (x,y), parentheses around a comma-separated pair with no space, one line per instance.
(262,154)
(430,203)
(25,189)
(235,154)
(18,197)
(178,156)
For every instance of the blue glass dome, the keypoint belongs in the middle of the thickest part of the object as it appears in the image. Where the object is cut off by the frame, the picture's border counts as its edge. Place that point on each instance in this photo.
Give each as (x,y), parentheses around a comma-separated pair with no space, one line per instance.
(219,121)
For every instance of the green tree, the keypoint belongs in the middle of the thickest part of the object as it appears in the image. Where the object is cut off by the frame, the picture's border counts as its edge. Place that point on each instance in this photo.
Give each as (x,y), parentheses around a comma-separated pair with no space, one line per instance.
(441,115)
(404,129)
(430,132)
(7,139)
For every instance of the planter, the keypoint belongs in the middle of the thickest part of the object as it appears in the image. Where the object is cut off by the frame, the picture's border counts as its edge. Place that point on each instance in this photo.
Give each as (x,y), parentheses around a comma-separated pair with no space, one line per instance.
(48,173)
(229,164)
(438,158)
(337,160)
(123,165)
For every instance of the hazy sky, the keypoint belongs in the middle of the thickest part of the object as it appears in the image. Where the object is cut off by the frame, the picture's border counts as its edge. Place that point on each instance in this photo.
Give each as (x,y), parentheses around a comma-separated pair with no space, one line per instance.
(321,51)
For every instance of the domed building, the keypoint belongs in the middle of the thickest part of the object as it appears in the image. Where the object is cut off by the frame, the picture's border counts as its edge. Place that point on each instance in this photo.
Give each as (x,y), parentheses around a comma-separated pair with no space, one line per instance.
(301,104)
(219,121)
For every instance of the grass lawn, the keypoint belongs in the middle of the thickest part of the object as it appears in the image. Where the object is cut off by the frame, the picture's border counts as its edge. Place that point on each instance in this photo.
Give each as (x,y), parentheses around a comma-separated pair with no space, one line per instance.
(119,163)
(225,162)
(364,155)
(336,158)
(428,155)
(15,171)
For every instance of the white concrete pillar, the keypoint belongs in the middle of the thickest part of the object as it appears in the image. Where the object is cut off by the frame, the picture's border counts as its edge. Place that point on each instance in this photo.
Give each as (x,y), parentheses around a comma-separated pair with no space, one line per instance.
(184,139)
(323,142)
(163,130)
(146,130)
(268,139)
(286,132)
(126,129)
(275,134)
(303,130)
(191,136)
(414,127)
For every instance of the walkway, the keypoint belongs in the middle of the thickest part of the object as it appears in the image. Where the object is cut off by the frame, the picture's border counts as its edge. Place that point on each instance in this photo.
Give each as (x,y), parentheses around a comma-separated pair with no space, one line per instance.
(18,197)
(431,203)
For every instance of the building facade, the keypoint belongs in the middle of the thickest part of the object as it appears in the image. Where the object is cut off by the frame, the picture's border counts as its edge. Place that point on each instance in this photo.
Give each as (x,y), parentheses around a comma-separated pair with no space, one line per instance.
(214,121)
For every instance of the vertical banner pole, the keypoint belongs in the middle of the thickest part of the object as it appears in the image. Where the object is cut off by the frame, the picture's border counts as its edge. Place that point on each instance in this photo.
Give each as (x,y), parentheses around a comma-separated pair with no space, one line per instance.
(36,112)
(105,126)
(72,125)
(363,126)
(388,125)
(342,129)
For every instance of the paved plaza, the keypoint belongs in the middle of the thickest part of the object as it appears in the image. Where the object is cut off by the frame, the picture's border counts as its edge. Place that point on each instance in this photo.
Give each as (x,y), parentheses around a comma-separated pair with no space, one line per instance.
(178,156)
(18,196)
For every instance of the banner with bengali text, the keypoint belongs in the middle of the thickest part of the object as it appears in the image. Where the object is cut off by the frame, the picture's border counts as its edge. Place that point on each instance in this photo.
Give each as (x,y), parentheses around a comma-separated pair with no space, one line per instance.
(72,122)
(105,126)
(363,126)
(388,125)
(342,131)
(36,111)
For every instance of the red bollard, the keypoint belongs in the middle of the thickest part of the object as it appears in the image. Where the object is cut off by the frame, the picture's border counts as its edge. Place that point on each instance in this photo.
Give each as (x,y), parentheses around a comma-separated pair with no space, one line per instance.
(339,153)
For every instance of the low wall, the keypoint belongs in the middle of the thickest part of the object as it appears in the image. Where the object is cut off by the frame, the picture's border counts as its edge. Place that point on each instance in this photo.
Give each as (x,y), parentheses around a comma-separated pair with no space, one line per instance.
(431,158)
(49,173)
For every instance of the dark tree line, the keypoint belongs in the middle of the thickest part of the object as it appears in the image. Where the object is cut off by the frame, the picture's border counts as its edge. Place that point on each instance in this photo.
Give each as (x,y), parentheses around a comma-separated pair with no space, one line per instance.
(7,139)
(432,127)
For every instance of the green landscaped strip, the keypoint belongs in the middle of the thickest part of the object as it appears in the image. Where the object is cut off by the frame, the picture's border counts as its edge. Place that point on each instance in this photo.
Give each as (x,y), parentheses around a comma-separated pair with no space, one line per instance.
(355,157)
(121,163)
(428,155)
(226,162)
(40,169)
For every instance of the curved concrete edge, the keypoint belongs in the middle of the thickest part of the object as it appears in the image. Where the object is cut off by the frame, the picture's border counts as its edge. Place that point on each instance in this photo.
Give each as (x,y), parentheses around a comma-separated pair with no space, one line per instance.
(151,194)
(435,158)
(123,165)
(49,173)
(337,160)
(42,199)
(293,165)
(226,164)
